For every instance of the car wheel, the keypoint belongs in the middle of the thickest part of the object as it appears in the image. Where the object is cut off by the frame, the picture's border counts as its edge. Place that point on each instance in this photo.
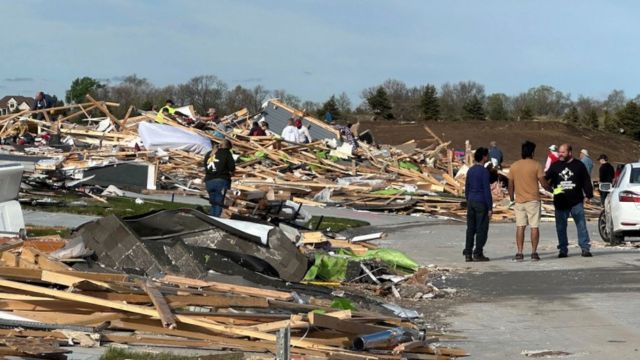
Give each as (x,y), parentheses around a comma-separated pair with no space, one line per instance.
(602,228)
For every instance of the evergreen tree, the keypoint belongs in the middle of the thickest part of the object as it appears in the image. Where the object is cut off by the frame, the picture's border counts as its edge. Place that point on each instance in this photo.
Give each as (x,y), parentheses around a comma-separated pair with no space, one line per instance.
(473,109)
(591,119)
(496,107)
(629,119)
(331,106)
(429,103)
(80,87)
(571,116)
(610,122)
(380,104)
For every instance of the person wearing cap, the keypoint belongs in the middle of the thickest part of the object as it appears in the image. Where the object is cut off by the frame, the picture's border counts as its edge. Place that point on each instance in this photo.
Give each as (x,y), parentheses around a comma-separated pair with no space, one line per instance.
(495,155)
(212,116)
(303,132)
(606,175)
(586,160)
(552,156)
(219,166)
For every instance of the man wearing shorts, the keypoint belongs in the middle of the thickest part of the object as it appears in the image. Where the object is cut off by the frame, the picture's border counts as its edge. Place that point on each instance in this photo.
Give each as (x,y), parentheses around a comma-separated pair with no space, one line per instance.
(524,176)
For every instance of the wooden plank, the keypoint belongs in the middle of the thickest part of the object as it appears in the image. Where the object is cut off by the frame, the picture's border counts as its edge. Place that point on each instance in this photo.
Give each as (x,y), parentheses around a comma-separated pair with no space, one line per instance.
(11,244)
(104,109)
(237,289)
(42,260)
(166,316)
(344,326)
(227,330)
(213,300)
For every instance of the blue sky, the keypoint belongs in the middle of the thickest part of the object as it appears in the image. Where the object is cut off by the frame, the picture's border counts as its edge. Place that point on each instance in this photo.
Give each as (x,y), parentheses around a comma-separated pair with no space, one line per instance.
(314,49)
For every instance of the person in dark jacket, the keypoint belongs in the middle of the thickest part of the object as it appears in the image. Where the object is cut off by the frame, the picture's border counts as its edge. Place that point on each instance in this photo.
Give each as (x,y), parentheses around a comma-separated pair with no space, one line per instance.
(256,130)
(219,166)
(570,181)
(43,101)
(607,173)
(477,190)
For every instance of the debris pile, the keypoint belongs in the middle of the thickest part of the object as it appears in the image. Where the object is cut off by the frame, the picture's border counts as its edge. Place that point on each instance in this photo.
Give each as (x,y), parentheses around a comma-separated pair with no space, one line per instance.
(48,306)
(157,154)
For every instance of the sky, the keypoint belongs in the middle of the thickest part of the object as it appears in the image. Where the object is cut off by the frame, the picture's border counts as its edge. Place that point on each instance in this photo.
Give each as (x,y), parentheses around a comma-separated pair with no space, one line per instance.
(314,49)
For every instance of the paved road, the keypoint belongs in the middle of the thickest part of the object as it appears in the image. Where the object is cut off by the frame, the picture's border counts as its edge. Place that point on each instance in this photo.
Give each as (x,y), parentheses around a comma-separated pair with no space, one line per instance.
(585,306)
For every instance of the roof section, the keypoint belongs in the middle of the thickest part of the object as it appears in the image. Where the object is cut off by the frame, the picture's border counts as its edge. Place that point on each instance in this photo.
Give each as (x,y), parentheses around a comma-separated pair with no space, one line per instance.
(19,99)
(277,113)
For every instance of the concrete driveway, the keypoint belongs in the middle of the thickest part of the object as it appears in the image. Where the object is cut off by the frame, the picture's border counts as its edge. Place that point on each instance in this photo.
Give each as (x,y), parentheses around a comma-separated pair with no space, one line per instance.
(588,307)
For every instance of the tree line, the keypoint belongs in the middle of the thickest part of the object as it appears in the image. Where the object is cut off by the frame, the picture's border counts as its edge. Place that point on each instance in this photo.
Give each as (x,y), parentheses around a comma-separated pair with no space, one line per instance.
(392,100)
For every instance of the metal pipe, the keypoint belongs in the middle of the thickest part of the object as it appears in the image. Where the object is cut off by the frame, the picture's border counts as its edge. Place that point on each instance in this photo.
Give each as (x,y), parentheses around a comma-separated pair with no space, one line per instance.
(386,338)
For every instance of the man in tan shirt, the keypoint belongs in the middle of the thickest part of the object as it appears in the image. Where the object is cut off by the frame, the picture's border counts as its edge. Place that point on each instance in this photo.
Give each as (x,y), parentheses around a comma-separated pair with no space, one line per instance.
(524,176)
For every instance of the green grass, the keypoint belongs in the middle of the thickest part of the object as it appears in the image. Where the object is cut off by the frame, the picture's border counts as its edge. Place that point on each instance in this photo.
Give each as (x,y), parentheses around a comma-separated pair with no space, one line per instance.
(120,206)
(121,354)
(46,231)
(334,223)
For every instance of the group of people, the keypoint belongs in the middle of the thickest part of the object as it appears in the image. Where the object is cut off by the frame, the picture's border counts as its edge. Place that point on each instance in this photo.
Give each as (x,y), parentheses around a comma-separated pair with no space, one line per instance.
(296,132)
(567,178)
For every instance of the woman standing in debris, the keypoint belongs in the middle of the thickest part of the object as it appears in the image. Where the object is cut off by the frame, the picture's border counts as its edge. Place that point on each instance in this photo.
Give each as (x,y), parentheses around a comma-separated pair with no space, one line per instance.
(219,166)
(477,190)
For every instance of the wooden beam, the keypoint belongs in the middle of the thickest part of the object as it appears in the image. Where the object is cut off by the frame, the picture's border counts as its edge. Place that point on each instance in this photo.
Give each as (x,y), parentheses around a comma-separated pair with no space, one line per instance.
(166,316)
(226,329)
(236,289)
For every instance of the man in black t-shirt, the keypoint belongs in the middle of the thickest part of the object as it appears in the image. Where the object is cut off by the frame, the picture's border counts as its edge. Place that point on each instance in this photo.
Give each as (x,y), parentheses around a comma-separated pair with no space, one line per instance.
(219,166)
(607,173)
(570,181)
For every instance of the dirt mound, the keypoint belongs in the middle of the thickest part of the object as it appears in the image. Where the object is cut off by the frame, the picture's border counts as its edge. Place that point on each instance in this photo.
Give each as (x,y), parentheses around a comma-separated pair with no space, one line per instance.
(510,136)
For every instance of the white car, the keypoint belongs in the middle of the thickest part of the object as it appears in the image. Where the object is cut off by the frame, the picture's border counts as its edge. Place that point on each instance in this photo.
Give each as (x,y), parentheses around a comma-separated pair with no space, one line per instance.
(621,215)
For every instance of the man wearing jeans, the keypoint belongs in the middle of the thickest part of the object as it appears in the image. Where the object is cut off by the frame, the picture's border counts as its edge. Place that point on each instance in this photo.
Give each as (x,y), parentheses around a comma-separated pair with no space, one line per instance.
(571,182)
(477,191)
(219,167)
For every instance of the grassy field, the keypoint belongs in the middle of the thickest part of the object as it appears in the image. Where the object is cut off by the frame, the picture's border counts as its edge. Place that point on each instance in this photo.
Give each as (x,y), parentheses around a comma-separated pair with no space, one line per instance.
(334,224)
(120,206)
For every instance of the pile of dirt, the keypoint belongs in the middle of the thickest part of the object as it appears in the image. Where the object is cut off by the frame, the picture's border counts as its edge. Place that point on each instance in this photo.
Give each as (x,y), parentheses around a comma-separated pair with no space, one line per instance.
(510,136)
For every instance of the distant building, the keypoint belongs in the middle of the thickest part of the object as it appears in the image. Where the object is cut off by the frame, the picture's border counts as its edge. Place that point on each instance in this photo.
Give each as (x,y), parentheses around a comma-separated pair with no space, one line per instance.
(9,104)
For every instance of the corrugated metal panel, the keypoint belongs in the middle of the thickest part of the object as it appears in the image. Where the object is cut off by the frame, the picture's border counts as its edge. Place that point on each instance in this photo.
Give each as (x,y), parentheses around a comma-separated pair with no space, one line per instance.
(277,115)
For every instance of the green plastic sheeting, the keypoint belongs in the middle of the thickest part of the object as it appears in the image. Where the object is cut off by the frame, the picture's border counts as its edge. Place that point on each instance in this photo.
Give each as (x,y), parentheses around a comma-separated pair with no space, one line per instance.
(388,192)
(329,268)
(409,166)
(334,268)
(390,257)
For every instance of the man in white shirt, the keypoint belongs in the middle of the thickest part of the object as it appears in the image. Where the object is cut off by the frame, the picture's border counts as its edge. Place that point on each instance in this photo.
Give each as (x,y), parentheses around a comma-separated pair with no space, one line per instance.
(290,133)
(303,132)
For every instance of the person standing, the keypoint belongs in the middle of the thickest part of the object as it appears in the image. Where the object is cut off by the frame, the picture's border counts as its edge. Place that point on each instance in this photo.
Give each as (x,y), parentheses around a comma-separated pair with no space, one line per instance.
(477,191)
(290,133)
(496,155)
(570,182)
(524,177)
(219,166)
(586,160)
(303,132)
(606,175)
(552,157)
